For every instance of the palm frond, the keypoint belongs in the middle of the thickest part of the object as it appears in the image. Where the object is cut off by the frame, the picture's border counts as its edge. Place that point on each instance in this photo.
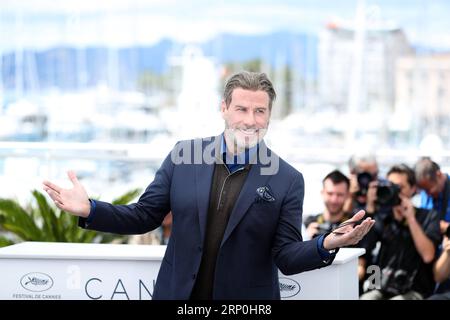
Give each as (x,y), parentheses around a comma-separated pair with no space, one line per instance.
(127,197)
(4,242)
(41,220)
(50,222)
(17,219)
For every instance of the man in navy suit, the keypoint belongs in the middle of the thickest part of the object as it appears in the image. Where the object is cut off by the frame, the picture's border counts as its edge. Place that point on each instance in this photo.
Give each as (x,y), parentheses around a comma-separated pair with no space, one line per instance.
(236,206)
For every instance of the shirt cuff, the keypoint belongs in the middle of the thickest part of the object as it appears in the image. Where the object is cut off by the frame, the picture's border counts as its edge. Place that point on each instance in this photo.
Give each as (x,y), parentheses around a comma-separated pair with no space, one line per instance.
(324,254)
(90,217)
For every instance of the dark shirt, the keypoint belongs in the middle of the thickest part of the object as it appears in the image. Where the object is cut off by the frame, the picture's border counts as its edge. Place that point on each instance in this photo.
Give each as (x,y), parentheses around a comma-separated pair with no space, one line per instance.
(228,179)
(225,189)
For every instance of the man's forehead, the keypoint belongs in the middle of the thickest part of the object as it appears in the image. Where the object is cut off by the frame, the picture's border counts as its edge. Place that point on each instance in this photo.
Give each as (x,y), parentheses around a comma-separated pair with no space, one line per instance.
(328,184)
(398,176)
(254,94)
(371,167)
(367,165)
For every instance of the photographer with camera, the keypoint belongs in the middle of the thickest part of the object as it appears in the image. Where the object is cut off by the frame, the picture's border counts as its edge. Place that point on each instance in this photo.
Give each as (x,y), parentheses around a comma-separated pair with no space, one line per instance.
(408,239)
(334,194)
(363,171)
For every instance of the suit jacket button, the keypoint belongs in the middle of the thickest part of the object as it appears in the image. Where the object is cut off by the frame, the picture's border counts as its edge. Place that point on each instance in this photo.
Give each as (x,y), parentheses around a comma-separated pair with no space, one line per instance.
(200,248)
(194,276)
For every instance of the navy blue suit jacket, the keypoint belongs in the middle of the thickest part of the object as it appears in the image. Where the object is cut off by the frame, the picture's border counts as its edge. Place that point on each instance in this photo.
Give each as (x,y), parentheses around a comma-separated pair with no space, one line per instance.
(261,236)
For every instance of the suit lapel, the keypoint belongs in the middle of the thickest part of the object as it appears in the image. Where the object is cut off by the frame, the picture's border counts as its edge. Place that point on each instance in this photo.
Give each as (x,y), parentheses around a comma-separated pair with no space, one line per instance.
(203,178)
(246,197)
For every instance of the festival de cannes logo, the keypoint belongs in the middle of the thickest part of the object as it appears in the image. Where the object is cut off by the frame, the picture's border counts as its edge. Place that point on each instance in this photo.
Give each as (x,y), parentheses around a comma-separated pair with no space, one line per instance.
(36,282)
(289,287)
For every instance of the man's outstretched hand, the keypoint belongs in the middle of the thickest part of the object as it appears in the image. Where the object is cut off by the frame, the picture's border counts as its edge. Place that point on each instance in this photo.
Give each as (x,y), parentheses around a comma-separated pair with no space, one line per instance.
(75,200)
(349,234)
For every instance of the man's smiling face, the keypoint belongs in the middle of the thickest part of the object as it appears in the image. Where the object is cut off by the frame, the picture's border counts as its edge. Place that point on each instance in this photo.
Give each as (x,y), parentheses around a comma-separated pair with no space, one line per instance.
(246,118)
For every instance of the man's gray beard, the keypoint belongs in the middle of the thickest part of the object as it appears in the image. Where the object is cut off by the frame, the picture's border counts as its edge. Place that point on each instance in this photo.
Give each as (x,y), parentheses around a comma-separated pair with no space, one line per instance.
(247,144)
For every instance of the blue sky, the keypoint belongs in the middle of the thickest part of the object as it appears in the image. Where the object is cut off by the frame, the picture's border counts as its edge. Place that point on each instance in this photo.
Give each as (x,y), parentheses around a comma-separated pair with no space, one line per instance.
(48,23)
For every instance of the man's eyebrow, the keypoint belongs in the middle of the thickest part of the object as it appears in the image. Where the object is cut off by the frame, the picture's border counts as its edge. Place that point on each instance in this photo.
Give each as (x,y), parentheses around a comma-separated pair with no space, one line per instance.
(244,107)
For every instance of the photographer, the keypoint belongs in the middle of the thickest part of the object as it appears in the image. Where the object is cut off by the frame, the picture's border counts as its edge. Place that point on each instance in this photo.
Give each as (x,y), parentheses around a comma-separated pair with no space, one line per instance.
(363,170)
(435,187)
(334,193)
(408,236)
(441,268)
(435,194)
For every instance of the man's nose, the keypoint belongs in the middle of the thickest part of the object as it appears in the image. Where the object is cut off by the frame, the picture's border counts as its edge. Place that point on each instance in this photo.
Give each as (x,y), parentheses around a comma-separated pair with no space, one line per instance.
(335,199)
(249,120)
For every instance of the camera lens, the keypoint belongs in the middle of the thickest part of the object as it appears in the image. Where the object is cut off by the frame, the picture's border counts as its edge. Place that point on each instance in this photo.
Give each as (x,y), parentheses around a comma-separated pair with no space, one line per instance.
(388,194)
(364,178)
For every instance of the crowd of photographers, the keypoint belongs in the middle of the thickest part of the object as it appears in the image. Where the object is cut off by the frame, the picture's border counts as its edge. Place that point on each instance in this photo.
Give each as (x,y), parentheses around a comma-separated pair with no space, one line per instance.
(408,249)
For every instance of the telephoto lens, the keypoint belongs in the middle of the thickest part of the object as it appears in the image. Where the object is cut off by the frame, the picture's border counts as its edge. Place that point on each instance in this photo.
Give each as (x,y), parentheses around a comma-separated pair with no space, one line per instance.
(388,194)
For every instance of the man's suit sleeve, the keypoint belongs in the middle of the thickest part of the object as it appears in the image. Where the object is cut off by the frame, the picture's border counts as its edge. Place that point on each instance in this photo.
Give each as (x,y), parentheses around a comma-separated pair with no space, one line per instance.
(292,254)
(137,218)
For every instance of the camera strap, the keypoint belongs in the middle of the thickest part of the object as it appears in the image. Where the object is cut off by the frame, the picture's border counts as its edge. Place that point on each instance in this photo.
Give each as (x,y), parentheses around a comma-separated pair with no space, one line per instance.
(445,199)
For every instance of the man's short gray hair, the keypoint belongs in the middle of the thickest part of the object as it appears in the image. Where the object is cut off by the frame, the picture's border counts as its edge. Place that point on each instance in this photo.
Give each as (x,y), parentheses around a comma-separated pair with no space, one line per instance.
(249,81)
(356,159)
(426,169)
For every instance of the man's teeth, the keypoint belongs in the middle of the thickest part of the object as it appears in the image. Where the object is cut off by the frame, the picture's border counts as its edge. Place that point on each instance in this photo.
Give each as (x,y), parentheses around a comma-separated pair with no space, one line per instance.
(249,131)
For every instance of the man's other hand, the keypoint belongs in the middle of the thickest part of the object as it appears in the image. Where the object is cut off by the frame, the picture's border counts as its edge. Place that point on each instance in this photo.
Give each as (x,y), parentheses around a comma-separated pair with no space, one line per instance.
(75,200)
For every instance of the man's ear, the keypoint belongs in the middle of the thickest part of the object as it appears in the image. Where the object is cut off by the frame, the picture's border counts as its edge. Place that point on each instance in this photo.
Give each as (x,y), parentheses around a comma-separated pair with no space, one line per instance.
(223,108)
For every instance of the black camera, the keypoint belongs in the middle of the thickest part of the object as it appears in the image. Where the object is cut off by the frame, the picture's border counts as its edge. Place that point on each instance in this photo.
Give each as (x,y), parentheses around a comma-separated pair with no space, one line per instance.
(396,282)
(388,194)
(364,178)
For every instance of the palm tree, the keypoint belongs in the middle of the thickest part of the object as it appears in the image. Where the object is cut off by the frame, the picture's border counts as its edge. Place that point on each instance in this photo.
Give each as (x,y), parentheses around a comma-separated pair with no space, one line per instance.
(40,221)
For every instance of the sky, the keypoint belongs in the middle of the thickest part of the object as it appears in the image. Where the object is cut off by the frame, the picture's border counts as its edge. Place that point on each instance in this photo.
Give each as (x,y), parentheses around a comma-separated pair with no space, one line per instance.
(41,24)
